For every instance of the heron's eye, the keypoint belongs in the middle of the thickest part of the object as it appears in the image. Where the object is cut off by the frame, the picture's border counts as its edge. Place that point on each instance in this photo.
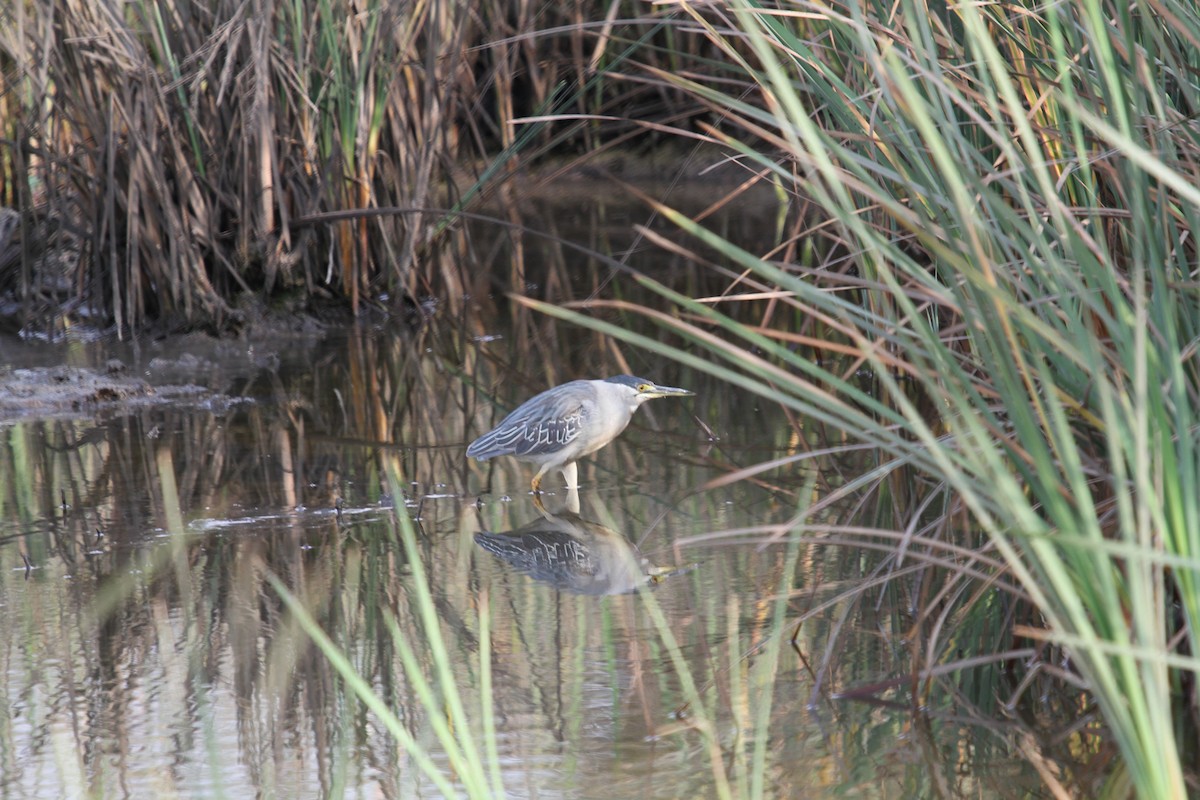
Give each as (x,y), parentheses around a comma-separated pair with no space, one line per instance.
(644,387)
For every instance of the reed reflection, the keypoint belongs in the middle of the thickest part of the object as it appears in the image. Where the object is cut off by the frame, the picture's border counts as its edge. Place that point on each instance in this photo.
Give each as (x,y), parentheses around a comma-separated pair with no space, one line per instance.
(573,554)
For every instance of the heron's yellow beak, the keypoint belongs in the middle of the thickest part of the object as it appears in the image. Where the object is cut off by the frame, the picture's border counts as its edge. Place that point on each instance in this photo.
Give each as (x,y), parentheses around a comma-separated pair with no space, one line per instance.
(654,390)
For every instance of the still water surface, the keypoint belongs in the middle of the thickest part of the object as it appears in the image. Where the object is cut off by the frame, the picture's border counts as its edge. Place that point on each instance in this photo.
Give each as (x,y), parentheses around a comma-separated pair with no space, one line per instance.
(146,654)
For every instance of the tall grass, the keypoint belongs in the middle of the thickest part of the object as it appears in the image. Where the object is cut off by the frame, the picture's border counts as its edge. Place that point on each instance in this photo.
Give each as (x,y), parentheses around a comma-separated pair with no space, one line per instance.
(163,152)
(178,140)
(1011,194)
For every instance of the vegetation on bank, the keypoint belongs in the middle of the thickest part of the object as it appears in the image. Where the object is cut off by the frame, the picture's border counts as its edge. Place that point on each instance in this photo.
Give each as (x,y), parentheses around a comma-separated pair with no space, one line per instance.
(169,158)
(995,220)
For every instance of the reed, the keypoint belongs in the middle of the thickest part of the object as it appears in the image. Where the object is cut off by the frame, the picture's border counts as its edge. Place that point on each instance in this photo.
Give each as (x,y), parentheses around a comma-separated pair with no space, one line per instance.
(1011,258)
(172,161)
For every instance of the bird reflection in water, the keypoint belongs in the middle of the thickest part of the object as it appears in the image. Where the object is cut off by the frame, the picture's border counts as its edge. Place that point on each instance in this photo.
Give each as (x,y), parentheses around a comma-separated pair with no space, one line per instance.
(574,555)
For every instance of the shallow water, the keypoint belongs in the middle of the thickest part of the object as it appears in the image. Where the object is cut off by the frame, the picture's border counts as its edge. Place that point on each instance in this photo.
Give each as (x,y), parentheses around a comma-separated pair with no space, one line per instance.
(145,652)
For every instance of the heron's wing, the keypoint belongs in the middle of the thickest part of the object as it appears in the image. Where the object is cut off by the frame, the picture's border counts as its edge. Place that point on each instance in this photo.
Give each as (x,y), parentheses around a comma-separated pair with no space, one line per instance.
(541,426)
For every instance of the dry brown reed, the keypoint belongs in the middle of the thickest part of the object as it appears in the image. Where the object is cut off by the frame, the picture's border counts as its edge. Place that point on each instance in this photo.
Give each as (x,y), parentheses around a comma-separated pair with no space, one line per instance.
(160,152)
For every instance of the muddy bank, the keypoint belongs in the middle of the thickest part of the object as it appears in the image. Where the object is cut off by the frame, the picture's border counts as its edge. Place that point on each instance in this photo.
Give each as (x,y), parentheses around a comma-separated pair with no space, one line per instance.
(67,391)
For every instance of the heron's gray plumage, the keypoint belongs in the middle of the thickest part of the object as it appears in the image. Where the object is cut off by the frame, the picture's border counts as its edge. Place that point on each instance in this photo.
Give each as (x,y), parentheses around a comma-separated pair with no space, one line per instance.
(541,428)
(561,425)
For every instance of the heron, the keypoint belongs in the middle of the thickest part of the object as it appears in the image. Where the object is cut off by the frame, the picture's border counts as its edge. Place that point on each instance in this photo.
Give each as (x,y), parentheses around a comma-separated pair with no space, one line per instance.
(558,427)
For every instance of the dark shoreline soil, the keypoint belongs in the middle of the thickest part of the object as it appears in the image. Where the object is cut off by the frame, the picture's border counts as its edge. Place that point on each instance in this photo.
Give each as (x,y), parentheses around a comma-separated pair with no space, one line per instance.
(43,392)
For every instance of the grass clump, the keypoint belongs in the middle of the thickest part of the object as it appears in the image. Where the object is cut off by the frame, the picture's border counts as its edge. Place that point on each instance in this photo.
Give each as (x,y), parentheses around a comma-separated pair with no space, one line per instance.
(1008,200)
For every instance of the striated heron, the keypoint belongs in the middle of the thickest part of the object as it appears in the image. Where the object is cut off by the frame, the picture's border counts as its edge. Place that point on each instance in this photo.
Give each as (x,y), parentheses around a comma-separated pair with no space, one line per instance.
(561,425)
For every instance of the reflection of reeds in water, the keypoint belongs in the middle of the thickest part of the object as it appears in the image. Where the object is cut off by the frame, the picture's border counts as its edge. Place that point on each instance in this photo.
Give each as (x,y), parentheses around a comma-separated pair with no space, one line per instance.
(198,650)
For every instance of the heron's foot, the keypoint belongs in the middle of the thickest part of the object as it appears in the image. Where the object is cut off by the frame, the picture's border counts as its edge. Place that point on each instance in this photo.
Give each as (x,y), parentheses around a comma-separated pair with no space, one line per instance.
(660,574)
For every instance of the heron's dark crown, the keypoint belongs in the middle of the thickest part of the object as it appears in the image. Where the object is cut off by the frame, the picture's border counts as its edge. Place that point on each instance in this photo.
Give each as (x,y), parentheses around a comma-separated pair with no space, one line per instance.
(628,380)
